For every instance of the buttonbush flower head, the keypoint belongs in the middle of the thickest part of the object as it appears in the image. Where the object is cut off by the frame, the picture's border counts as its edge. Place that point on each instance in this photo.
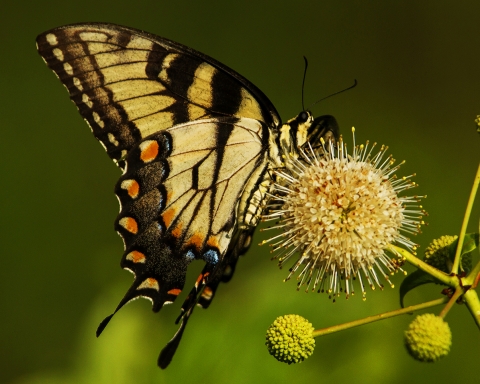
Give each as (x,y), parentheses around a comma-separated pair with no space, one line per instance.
(339,212)
(290,339)
(428,338)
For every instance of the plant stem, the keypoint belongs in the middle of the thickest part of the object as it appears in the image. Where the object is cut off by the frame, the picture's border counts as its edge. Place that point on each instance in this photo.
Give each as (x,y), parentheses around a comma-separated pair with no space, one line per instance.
(472,278)
(453,299)
(371,319)
(415,261)
(466,218)
(473,304)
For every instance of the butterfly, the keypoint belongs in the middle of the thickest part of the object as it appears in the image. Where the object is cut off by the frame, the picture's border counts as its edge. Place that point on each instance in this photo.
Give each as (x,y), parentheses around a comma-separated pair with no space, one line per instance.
(197,144)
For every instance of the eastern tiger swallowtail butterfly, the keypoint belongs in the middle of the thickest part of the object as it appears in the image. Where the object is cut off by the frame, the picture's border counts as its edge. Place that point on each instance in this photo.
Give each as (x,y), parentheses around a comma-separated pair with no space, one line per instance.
(197,144)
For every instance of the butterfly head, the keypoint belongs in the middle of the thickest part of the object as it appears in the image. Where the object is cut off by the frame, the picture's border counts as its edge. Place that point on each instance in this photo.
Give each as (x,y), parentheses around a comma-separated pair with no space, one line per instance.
(304,128)
(325,127)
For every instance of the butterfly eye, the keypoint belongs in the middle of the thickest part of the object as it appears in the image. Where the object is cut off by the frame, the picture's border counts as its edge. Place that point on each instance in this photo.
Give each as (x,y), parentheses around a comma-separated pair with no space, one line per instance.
(303,117)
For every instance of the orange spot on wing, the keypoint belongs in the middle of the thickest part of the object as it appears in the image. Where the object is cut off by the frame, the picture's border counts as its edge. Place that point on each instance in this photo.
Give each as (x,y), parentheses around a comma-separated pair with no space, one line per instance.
(132,188)
(174,291)
(129,224)
(148,150)
(152,282)
(168,216)
(177,231)
(213,242)
(207,293)
(196,240)
(199,280)
(136,257)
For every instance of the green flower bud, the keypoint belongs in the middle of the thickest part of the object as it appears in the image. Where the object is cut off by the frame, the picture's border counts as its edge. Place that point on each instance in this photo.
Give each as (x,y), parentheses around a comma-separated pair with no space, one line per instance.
(428,338)
(437,255)
(290,339)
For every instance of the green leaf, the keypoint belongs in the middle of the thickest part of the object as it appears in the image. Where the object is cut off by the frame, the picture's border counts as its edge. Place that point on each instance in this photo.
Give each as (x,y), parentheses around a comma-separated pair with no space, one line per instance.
(413,280)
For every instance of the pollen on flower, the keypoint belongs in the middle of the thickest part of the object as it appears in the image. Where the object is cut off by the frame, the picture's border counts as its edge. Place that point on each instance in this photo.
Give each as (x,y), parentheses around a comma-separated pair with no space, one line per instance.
(339,212)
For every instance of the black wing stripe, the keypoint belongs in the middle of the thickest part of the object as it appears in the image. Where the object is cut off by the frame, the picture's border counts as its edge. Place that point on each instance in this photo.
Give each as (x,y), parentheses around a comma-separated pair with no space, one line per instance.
(227,94)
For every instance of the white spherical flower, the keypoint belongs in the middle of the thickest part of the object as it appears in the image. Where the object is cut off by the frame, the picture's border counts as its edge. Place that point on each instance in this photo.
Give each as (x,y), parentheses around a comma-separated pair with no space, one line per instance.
(340,212)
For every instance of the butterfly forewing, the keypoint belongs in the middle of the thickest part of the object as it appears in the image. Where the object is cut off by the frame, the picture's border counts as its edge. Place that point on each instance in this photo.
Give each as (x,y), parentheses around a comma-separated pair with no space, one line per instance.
(128,84)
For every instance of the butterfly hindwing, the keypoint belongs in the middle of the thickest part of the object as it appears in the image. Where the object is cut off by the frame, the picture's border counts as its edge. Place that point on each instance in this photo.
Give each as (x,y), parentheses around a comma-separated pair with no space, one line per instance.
(176,209)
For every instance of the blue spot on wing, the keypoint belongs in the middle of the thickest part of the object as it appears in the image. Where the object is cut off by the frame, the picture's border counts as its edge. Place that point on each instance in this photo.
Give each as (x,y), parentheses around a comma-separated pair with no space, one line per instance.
(211,257)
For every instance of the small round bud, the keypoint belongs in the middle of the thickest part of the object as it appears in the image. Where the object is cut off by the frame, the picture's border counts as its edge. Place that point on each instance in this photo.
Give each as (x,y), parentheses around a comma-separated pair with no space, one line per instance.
(437,255)
(290,339)
(428,338)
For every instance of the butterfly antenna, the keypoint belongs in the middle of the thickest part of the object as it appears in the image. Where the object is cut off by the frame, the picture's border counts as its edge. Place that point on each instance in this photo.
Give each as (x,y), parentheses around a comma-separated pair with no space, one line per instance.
(336,93)
(303,82)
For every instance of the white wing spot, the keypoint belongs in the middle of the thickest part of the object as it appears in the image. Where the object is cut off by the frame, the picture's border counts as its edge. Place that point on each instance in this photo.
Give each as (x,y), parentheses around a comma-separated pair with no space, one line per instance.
(97,119)
(149,283)
(87,100)
(51,39)
(78,83)
(68,68)
(112,139)
(58,54)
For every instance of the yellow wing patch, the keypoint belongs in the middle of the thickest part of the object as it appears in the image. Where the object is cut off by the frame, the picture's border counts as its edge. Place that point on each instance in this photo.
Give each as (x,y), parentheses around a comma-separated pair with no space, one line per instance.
(204,186)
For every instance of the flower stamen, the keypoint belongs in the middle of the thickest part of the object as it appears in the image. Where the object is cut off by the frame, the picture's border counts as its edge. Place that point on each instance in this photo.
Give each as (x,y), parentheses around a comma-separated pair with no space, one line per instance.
(340,212)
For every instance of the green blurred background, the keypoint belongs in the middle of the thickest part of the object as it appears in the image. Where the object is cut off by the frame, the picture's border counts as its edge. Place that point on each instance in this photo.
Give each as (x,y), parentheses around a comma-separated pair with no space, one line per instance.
(418,90)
